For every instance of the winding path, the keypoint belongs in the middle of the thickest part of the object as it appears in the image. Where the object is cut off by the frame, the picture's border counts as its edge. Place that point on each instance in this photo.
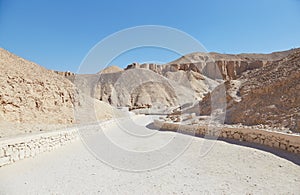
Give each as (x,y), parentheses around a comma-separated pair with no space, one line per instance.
(226,168)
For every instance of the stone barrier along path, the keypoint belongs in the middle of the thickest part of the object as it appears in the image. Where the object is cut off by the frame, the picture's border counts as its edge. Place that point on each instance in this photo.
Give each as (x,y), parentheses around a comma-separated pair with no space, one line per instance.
(288,142)
(17,148)
(25,146)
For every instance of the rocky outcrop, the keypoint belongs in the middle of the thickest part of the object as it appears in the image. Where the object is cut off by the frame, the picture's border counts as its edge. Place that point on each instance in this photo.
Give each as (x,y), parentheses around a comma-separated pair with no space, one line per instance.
(269,95)
(65,74)
(215,65)
(233,69)
(166,68)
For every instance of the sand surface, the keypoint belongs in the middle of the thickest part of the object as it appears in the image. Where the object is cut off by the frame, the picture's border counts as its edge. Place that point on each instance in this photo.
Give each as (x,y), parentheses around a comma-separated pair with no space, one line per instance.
(225,169)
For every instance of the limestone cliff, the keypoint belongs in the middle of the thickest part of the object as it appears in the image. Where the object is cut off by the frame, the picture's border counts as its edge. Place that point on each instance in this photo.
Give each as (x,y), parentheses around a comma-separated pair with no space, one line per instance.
(215,65)
(269,95)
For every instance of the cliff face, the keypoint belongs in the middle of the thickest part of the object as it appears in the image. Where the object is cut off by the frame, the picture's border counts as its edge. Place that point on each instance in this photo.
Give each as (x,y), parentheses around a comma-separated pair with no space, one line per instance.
(215,65)
(233,69)
(269,95)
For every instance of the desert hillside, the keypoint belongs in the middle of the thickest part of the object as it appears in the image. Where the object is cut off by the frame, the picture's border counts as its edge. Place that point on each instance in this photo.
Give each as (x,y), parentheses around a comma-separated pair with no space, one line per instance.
(34,95)
(139,88)
(269,95)
(261,88)
(179,82)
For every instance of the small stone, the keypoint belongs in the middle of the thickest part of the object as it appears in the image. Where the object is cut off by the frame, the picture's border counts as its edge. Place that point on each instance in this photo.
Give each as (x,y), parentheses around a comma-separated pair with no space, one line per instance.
(253,136)
(15,156)
(276,145)
(282,146)
(224,135)
(291,149)
(236,136)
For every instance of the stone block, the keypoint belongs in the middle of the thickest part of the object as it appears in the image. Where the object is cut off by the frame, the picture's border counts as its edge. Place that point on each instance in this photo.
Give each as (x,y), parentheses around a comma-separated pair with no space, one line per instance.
(32,152)
(282,146)
(1,152)
(22,154)
(257,140)
(268,143)
(291,149)
(8,151)
(236,136)
(224,135)
(27,152)
(4,161)
(253,136)
(15,156)
(276,144)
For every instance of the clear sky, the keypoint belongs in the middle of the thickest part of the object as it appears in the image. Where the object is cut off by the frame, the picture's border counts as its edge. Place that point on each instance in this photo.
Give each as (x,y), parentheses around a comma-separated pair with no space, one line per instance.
(58,34)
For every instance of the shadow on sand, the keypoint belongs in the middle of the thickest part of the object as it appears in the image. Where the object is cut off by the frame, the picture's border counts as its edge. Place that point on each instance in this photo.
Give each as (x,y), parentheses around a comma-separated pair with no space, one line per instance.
(295,158)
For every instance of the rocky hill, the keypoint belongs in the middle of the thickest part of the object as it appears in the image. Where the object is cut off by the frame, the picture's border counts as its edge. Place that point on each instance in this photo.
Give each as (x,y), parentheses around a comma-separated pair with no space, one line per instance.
(269,95)
(142,88)
(260,88)
(32,94)
(182,81)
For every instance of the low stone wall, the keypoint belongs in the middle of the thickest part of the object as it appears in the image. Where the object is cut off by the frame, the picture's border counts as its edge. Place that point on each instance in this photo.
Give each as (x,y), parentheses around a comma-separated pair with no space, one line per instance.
(25,146)
(289,142)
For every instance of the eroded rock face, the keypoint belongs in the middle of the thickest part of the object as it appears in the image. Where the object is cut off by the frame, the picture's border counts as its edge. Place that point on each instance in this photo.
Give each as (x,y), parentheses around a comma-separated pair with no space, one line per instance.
(179,82)
(153,94)
(269,95)
(142,88)
(233,69)
(215,65)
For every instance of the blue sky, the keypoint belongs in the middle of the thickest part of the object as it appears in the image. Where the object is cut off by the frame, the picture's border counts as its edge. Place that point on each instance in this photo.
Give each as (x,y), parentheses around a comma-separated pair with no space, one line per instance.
(58,34)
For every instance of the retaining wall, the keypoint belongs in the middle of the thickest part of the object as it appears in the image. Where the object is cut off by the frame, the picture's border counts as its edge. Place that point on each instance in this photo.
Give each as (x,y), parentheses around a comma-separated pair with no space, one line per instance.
(25,146)
(29,145)
(289,142)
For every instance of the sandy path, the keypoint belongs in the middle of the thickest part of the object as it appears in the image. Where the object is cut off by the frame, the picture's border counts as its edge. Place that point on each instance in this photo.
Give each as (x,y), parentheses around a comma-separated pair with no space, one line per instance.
(227,169)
